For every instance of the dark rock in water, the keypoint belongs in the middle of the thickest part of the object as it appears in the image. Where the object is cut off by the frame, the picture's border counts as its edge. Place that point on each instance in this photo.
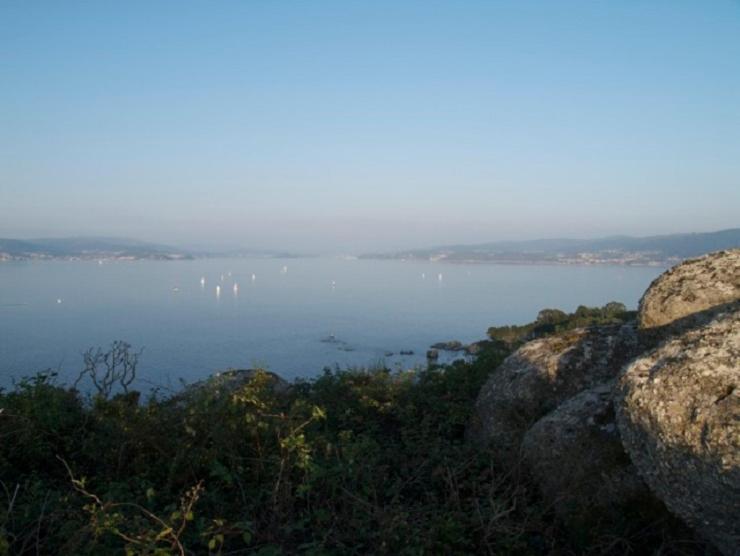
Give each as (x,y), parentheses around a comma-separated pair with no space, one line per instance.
(576,457)
(389,354)
(432,354)
(690,287)
(406,352)
(331,339)
(542,374)
(679,417)
(452,345)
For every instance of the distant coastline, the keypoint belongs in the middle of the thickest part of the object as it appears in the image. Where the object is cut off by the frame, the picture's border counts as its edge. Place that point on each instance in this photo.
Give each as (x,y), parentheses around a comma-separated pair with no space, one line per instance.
(656,251)
(113,249)
(652,251)
(87,249)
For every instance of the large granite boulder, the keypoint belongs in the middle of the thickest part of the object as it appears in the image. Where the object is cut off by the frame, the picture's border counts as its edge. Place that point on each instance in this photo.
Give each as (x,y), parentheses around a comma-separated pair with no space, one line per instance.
(541,375)
(576,457)
(691,287)
(678,412)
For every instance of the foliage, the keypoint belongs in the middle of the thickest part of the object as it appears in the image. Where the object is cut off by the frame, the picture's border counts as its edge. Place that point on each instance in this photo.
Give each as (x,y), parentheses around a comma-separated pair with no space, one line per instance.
(552,321)
(352,462)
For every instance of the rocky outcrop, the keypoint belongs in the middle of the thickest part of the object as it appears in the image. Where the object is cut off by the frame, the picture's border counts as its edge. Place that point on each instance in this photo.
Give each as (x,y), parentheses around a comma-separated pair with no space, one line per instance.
(576,457)
(544,373)
(452,345)
(678,412)
(691,287)
(667,435)
(225,383)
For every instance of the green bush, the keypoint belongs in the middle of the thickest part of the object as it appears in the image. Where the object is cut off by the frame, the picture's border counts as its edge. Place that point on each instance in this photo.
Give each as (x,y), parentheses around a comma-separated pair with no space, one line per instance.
(552,321)
(352,462)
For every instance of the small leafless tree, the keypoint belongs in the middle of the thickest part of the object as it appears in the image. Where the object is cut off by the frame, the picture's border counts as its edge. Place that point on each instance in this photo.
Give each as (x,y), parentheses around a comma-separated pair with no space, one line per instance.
(110,370)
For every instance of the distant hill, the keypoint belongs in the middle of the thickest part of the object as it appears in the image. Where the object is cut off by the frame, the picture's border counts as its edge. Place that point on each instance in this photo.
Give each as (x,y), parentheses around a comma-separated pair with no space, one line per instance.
(86,248)
(652,250)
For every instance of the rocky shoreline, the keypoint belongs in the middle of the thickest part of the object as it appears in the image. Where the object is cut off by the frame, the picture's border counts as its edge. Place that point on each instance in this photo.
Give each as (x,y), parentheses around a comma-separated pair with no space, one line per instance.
(640,419)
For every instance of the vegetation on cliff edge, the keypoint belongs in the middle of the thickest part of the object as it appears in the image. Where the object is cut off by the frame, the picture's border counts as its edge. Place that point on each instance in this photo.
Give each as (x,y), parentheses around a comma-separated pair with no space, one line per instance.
(352,462)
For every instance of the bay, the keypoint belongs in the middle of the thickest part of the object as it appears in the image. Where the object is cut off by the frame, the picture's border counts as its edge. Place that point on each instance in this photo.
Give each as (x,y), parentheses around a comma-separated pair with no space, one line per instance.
(51,311)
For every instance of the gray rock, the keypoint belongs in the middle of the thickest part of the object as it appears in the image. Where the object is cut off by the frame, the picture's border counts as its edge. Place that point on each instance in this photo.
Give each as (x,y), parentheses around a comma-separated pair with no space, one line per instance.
(452,345)
(678,412)
(544,373)
(432,354)
(576,457)
(225,383)
(690,287)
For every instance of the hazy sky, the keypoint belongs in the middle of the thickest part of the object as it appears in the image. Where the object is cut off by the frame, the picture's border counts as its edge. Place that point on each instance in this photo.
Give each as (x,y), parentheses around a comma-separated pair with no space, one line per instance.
(348,126)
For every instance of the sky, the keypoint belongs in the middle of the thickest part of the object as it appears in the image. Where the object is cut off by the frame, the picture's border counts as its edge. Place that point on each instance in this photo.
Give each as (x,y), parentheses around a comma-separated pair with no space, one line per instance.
(347,126)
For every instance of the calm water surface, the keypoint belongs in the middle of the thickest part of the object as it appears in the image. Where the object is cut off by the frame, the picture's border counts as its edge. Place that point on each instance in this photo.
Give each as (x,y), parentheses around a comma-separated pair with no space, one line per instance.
(50,312)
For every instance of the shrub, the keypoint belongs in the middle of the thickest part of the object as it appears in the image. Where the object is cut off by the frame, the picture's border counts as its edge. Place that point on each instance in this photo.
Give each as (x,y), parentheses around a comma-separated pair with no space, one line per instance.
(352,462)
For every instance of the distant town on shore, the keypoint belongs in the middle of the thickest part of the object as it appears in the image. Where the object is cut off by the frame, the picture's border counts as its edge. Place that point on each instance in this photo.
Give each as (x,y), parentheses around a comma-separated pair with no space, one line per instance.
(617,250)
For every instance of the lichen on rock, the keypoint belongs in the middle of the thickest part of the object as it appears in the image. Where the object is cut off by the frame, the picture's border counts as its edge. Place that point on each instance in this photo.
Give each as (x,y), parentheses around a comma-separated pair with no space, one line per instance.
(576,458)
(690,287)
(542,374)
(678,412)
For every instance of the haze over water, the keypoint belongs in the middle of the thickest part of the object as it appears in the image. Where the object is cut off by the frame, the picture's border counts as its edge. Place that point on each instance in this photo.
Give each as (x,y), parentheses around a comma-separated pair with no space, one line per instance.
(50,312)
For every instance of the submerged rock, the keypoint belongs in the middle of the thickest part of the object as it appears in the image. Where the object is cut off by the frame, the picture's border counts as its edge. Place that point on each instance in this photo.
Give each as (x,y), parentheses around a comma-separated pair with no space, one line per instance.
(678,413)
(690,287)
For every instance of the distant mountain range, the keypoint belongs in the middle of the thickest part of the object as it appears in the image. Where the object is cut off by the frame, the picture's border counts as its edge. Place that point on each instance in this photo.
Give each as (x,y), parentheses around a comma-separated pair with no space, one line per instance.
(86,248)
(652,250)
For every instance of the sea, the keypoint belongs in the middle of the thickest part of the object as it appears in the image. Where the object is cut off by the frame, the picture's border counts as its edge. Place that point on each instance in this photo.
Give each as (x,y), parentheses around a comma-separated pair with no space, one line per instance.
(294,317)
